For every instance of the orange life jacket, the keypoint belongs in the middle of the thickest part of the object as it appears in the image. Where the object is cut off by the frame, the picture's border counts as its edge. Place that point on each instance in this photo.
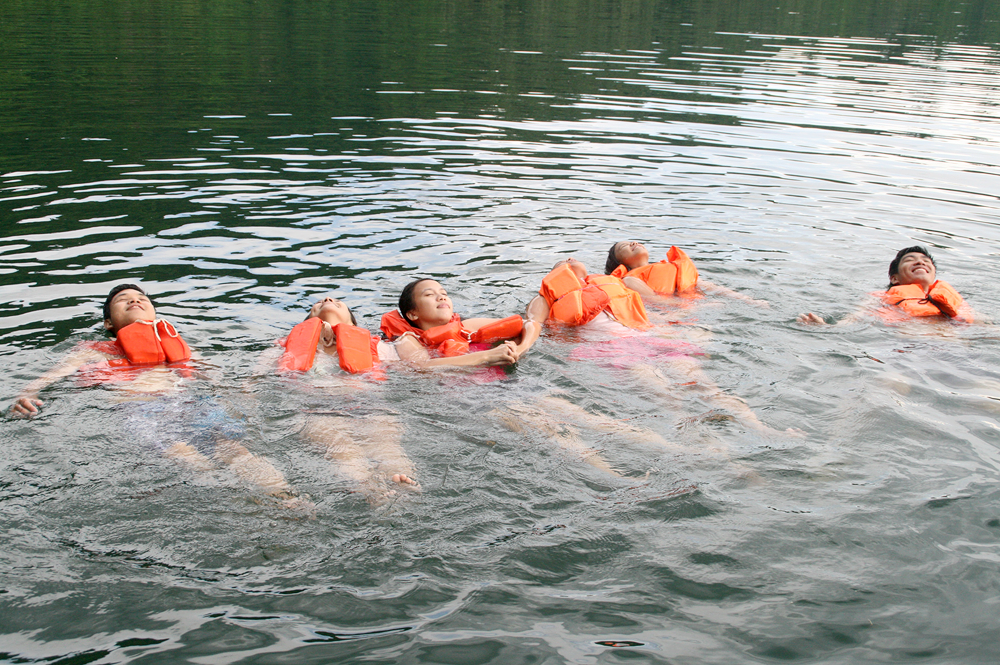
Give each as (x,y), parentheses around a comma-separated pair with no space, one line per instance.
(452,339)
(500,329)
(687,274)
(300,346)
(626,305)
(675,275)
(139,344)
(570,301)
(152,343)
(449,339)
(357,350)
(574,303)
(940,299)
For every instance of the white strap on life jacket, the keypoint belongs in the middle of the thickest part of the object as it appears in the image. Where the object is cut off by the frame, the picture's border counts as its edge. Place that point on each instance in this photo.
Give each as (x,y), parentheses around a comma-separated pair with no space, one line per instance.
(167,326)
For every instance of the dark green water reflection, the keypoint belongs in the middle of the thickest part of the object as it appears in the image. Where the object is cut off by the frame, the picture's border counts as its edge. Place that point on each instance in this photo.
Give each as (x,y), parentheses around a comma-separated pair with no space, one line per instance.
(141,71)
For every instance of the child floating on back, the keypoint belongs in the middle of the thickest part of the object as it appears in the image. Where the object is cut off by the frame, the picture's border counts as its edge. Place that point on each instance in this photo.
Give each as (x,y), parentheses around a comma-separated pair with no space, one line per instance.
(914,291)
(147,364)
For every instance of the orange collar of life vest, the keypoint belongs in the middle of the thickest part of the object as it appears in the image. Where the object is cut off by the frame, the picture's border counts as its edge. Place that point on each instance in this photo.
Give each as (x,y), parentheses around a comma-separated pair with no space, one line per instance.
(357,350)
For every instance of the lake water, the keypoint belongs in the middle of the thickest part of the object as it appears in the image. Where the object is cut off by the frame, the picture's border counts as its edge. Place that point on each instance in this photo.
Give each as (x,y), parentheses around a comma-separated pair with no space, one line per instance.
(241,159)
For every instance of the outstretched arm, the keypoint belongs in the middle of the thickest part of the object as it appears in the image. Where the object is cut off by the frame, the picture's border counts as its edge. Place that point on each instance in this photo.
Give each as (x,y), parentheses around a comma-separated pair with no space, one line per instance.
(267,361)
(717,289)
(815,319)
(649,297)
(28,403)
(711,288)
(968,315)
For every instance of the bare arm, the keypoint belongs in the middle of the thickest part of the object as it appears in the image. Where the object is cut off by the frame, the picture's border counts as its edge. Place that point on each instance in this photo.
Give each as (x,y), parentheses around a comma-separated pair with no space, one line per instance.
(649,294)
(719,290)
(28,403)
(538,310)
(412,351)
(528,337)
(267,361)
(815,319)
(650,297)
(535,314)
(639,287)
(968,315)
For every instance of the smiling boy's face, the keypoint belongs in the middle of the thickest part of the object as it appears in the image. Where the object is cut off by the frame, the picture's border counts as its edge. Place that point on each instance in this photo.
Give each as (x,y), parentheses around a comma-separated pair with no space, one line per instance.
(914,268)
(127,307)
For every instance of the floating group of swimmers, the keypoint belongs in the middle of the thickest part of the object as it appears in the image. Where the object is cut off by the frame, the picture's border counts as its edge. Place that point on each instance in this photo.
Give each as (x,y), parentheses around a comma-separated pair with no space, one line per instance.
(147,357)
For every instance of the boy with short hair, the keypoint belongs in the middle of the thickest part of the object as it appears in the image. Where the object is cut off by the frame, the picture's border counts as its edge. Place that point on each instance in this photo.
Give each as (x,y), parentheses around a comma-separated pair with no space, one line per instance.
(138,360)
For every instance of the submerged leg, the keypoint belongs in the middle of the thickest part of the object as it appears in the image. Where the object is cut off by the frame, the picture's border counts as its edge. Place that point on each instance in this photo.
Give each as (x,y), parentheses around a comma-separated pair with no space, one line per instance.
(259,472)
(520,420)
(683,376)
(188,455)
(366,450)
(559,420)
(595,421)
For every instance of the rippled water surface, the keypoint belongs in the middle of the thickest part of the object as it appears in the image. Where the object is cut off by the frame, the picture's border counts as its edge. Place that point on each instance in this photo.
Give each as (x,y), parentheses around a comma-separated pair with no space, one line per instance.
(240,160)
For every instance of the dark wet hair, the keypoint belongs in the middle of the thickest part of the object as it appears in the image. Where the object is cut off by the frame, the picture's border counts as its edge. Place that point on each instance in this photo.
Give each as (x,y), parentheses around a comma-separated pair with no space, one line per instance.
(115,291)
(612,262)
(406,297)
(916,249)
(354,321)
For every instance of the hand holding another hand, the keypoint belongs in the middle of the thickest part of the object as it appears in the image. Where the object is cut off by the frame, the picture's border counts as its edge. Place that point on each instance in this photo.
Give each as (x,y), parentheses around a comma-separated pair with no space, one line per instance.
(505,354)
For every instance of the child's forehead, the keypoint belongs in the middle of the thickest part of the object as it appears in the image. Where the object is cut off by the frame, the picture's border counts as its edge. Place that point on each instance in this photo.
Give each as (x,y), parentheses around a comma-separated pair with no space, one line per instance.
(128,292)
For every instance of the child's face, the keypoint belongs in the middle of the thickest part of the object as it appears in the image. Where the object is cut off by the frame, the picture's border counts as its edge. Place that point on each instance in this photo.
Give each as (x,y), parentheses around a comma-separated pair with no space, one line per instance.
(431,306)
(331,310)
(578,268)
(914,268)
(631,253)
(127,307)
